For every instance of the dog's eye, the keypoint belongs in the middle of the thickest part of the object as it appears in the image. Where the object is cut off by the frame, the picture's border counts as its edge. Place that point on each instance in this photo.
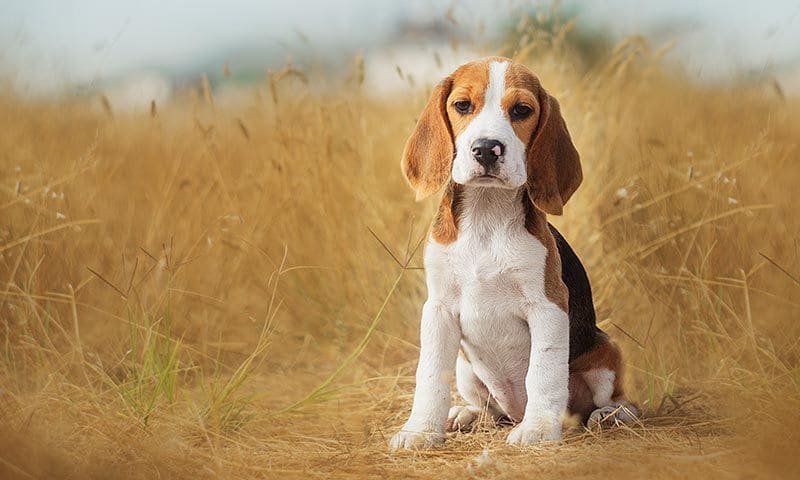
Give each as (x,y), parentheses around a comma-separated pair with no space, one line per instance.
(463,106)
(520,111)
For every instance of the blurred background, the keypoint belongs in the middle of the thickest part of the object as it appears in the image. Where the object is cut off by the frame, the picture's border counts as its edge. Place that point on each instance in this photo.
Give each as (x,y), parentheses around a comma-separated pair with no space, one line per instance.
(148,49)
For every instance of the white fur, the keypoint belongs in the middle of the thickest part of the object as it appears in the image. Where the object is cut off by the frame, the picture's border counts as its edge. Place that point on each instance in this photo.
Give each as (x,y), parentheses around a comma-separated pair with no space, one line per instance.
(491,122)
(486,295)
(601,383)
(463,417)
(439,337)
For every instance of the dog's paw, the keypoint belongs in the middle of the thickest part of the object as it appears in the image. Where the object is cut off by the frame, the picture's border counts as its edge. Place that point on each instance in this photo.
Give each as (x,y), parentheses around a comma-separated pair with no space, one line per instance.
(620,413)
(543,428)
(412,440)
(462,418)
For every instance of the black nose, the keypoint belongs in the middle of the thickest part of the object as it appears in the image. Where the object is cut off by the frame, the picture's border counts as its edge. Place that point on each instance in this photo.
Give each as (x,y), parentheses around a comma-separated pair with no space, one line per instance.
(487,151)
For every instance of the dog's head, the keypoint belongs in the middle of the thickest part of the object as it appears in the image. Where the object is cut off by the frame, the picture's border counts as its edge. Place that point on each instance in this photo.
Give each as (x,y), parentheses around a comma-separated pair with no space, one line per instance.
(490,123)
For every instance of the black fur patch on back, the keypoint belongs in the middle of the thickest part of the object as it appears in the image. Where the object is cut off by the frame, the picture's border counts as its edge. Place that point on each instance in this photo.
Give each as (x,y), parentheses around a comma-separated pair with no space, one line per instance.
(583,331)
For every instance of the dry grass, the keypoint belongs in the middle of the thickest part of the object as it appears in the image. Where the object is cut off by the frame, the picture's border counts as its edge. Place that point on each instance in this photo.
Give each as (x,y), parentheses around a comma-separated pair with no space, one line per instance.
(194,291)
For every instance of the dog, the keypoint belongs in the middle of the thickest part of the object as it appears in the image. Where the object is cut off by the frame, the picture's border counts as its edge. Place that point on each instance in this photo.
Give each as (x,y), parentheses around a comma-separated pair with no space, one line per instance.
(509,305)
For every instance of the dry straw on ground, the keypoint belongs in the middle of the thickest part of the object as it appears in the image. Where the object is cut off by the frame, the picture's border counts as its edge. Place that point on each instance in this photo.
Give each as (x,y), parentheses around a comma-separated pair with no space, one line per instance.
(194,291)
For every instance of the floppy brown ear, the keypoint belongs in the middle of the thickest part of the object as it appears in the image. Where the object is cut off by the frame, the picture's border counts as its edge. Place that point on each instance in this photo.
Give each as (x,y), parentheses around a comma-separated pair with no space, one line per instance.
(554,167)
(428,156)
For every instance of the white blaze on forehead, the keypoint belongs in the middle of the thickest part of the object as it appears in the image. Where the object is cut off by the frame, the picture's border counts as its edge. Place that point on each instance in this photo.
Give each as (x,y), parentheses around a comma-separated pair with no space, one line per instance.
(497,87)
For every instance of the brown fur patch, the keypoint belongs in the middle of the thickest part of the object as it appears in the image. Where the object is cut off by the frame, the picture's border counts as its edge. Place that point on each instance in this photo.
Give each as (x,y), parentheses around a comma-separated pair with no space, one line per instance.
(428,155)
(553,163)
(554,288)
(581,401)
(444,229)
(522,87)
(605,355)
(470,82)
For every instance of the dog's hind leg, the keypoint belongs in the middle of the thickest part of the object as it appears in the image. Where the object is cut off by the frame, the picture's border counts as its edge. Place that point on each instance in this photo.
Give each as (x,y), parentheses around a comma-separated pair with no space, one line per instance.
(474,392)
(600,370)
(611,407)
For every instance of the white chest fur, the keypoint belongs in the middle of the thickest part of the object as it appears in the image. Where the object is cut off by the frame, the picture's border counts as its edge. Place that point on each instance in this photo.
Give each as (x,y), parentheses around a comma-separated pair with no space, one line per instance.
(495,266)
(490,278)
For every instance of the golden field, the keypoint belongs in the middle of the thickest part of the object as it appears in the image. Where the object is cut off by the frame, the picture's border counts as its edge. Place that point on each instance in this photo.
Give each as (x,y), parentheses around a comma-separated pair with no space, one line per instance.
(208,290)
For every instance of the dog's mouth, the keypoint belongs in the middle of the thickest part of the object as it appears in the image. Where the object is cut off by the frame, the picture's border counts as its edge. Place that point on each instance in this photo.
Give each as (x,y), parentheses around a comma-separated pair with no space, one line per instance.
(487,179)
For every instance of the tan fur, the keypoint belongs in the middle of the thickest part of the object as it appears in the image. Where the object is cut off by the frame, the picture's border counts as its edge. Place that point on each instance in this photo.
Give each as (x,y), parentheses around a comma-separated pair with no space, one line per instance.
(554,168)
(554,288)
(470,82)
(444,229)
(581,401)
(604,355)
(428,155)
(522,86)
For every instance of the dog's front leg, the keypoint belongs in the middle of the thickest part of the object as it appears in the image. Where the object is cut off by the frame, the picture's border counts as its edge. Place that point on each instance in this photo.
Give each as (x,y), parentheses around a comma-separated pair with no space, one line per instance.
(547,378)
(440,335)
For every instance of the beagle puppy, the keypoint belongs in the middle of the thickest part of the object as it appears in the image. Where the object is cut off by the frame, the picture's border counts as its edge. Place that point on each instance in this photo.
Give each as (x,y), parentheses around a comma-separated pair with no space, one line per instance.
(509,306)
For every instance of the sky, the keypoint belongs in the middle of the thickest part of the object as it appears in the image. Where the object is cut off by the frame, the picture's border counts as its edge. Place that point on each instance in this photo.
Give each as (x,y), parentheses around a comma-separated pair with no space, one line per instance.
(49,44)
